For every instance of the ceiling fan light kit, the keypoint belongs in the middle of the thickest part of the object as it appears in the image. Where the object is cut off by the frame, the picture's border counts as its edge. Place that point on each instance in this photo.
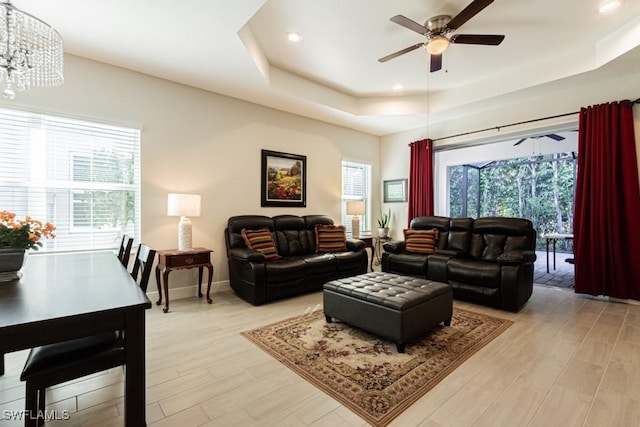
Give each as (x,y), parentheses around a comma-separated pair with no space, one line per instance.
(31,51)
(438,30)
(437,45)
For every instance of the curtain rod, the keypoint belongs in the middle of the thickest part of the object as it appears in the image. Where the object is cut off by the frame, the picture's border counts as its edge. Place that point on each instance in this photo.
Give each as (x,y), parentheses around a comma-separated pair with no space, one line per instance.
(637,101)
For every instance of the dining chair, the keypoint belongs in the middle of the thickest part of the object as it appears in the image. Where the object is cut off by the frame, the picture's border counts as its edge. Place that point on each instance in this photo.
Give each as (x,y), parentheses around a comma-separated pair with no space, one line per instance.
(143,265)
(56,363)
(125,250)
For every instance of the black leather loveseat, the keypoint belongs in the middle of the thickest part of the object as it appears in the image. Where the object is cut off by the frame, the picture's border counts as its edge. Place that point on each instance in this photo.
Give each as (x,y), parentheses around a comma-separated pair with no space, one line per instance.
(299,267)
(488,261)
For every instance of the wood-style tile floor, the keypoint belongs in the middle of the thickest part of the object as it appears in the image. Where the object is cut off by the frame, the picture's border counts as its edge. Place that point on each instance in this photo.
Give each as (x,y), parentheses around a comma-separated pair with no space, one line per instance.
(567,361)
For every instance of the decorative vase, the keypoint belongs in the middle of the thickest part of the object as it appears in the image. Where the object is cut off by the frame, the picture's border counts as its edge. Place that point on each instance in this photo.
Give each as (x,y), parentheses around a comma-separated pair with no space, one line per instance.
(11,261)
(383,232)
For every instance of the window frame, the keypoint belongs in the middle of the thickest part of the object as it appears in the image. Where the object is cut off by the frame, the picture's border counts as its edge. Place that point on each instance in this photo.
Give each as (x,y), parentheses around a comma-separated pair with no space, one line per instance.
(366,219)
(41,182)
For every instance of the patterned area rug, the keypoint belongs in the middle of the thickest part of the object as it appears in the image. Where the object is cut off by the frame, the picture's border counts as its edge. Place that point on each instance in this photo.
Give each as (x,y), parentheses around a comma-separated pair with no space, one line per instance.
(366,373)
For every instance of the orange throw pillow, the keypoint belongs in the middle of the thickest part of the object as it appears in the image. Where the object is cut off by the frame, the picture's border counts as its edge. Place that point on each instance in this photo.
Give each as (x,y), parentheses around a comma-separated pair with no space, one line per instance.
(421,241)
(261,241)
(331,238)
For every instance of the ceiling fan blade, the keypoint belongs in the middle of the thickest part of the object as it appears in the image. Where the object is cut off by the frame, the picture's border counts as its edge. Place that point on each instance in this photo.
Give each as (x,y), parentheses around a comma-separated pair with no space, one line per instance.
(410,24)
(556,137)
(485,39)
(436,63)
(520,142)
(400,52)
(468,12)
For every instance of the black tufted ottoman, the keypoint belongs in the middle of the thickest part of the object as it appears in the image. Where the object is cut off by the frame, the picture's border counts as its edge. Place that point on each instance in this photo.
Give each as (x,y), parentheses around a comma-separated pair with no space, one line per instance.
(395,307)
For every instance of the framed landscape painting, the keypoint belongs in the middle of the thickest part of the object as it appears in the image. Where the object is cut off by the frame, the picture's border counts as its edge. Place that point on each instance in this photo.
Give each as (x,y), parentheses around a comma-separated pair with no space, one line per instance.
(284,179)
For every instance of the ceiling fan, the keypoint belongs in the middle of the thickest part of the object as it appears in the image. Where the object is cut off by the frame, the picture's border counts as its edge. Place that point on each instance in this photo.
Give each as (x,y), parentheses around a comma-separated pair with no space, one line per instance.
(438,31)
(553,136)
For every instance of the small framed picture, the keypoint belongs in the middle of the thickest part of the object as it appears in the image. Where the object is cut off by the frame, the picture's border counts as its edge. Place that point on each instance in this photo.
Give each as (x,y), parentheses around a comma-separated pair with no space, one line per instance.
(395,190)
(284,179)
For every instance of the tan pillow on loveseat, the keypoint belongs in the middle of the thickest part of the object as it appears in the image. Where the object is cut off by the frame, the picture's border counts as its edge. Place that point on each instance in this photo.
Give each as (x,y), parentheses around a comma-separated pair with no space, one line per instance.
(261,241)
(421,241)
(330,238)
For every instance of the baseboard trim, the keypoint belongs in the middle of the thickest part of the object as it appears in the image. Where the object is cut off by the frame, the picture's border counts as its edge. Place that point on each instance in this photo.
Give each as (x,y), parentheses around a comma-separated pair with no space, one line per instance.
(188,291)
(623,301)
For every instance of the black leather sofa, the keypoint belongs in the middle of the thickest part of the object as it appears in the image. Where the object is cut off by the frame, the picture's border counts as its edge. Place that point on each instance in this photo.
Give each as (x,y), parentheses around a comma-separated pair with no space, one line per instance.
(489,260)
(298,270)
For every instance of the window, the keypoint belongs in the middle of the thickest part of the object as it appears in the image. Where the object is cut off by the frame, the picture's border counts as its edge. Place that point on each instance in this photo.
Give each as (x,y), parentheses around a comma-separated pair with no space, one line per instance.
(539,188)
(356,185)
(84,177)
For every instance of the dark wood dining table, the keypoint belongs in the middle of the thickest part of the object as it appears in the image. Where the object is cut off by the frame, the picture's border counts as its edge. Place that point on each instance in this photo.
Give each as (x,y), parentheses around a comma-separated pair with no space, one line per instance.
(66,296)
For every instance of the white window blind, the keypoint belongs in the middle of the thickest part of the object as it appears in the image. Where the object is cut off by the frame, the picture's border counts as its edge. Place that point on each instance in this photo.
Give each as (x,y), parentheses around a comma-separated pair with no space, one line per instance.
(83,177)
(356,185)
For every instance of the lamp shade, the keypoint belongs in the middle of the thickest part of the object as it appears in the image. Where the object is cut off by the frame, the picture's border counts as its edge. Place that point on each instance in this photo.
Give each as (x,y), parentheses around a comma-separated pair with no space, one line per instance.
(356,207)
(183,205)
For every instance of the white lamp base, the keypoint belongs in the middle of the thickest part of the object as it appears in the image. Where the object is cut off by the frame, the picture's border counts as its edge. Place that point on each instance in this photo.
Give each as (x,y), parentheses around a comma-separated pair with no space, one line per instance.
(184,234)
(355,227)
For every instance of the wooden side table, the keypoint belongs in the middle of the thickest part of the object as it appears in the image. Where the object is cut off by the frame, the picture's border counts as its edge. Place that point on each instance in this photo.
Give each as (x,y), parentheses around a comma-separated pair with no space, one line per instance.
(169,260)
(368,243)
(377,243)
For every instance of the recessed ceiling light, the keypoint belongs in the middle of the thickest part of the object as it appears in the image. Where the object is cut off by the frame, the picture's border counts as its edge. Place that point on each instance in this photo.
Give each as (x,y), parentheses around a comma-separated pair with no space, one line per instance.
(294,37)
(609,6)
(398,86)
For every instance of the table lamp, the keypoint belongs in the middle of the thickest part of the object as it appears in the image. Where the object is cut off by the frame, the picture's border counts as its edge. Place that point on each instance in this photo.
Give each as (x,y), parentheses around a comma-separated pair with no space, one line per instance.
(184,206)
(355,208)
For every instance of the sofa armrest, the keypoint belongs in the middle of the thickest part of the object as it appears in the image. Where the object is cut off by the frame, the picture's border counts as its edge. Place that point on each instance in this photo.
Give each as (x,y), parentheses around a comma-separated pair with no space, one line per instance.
(355,245)
(246,255)
(437,266)
(394,246)
(517,257)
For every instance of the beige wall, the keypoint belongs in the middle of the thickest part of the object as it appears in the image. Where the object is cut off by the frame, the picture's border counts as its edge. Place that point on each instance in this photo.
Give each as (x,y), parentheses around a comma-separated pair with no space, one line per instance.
(564,96)
(196,141)
(199,142)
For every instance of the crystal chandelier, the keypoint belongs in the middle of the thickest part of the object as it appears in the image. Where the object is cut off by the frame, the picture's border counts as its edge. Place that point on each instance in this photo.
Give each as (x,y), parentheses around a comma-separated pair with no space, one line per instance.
(30,51)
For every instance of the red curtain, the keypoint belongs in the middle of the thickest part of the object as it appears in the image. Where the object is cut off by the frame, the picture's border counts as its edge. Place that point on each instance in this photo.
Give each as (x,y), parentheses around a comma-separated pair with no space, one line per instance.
(607,209)
(421,179)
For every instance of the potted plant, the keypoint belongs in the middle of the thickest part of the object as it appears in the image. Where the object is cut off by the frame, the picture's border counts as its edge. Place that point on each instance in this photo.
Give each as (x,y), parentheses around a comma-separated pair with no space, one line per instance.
(17,237)
(383,224)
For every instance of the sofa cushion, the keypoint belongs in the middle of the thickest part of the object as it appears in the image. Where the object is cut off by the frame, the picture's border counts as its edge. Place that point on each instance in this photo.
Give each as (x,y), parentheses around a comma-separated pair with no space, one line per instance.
(515,243)
(292,243)
(477,273)
(459,236)
(290,236)
(261,241)
(330,238)
(318,264)
(407,264)
(421,241)
(494,246)
(285,270)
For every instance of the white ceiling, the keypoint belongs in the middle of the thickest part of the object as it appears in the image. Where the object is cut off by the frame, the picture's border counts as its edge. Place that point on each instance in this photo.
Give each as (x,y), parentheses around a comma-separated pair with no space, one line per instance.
(238,48)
